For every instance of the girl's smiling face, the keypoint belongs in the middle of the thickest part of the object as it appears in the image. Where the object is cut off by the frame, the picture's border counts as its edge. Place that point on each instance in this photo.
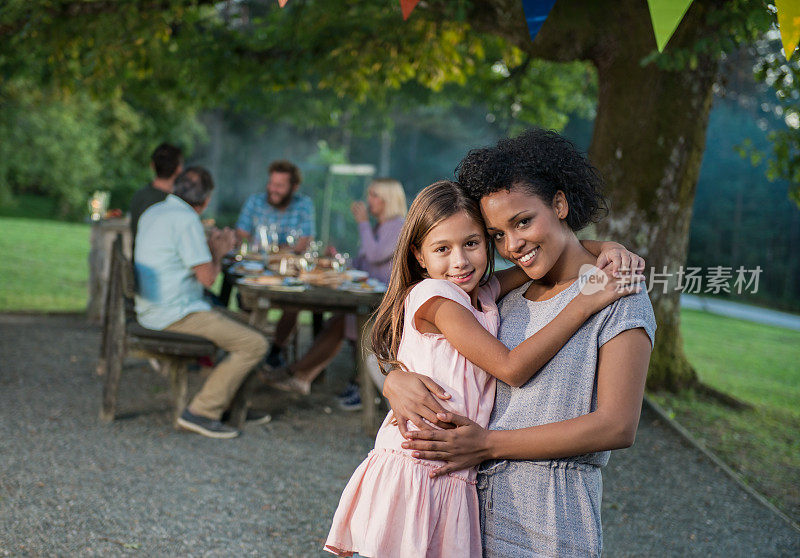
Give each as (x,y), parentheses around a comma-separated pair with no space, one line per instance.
(455,250)
(525,229)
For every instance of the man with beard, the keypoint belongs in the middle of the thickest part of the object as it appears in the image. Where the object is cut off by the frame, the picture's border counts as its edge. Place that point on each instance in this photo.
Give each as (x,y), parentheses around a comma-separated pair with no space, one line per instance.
(282,207)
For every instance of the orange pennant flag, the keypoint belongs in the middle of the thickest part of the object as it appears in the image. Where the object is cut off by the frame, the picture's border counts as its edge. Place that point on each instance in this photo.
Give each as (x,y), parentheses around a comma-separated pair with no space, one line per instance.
(407,6)
(282,3)
(789,25)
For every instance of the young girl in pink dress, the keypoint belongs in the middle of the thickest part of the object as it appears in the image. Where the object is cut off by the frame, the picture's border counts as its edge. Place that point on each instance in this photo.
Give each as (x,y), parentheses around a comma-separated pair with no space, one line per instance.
(440,315)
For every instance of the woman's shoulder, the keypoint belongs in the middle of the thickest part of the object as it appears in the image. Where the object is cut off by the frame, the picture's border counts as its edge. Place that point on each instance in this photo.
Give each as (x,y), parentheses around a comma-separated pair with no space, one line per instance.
(629,312)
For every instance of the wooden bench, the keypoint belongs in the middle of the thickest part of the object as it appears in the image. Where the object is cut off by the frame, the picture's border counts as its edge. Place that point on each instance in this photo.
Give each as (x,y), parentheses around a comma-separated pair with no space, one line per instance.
(124,336)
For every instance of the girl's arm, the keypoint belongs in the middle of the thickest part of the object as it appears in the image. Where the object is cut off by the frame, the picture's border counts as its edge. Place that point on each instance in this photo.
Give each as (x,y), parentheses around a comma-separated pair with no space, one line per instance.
(517,366)
(607,252)
(621,371)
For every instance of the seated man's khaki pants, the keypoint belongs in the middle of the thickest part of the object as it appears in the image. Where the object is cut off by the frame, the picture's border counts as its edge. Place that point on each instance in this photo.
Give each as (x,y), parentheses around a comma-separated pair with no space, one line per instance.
(245,347)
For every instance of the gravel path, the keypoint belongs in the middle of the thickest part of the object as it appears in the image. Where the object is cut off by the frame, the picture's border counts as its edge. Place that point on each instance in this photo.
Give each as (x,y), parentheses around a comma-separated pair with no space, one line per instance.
(72,486)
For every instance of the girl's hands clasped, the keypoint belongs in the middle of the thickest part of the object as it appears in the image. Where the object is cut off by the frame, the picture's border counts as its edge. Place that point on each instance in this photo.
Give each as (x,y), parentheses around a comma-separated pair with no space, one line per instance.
(465,446)
(414,397)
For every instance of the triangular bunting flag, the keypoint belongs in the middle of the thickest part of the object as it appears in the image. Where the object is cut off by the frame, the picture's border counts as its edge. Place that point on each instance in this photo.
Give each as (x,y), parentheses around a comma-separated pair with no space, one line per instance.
(536,11)
(282,3)
(789,24)
(666,15)
(408,6)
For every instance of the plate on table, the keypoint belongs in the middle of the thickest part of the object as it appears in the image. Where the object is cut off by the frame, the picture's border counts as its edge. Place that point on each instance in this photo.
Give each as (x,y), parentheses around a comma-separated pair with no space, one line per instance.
(368,286)
(261,280)
(291,284)
(356,275)
(247,267)
(274,281)
(322,278)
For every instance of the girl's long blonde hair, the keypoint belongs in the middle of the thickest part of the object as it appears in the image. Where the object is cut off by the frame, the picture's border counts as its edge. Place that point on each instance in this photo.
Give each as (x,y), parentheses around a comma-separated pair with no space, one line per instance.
(435,203)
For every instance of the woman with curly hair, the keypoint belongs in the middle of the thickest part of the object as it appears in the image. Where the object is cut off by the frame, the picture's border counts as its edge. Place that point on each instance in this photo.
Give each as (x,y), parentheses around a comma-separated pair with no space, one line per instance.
(539,481)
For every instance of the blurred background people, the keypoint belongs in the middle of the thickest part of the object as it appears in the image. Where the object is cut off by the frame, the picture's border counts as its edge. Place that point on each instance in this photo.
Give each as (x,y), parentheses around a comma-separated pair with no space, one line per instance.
(291,216)
(174,261)
(386,202)
(167,163)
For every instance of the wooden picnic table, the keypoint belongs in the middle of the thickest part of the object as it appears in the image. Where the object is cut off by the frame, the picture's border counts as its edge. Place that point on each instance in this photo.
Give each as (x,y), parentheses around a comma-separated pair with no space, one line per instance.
(324,299)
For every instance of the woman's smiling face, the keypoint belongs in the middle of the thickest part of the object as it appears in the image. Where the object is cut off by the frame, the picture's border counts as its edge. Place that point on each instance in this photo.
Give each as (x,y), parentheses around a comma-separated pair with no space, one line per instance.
(525,229)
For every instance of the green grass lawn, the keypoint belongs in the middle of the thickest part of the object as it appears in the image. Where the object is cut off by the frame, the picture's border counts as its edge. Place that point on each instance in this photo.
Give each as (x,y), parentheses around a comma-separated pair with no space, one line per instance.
(43,265)
(759,365)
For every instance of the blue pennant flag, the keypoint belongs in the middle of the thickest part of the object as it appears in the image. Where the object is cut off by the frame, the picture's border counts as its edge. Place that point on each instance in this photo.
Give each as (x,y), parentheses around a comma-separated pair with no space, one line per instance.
(536,12)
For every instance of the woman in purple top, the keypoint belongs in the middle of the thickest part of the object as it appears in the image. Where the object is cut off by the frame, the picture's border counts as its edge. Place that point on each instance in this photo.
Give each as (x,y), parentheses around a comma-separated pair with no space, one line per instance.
(386,202)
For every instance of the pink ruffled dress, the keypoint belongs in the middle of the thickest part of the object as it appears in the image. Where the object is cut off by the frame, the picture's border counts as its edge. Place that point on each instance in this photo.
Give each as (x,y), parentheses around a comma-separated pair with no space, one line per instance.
(391,507)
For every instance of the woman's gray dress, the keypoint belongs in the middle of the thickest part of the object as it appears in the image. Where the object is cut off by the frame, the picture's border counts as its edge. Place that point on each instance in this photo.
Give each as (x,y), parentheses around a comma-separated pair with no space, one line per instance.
(551,508)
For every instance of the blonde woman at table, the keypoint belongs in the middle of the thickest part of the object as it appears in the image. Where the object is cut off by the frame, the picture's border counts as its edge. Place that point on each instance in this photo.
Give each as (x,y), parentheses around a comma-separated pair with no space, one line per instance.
(386,202)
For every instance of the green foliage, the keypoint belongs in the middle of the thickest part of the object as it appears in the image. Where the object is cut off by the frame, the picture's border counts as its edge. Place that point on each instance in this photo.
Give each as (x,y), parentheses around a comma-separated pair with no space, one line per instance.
(730,25)
(66,145)
(49,146)
(784,79)
(744,24)
(141,70)
(737,211)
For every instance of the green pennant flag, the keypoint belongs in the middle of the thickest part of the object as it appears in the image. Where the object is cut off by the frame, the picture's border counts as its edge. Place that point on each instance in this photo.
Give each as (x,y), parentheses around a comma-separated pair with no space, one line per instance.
(789,24)
(666,15)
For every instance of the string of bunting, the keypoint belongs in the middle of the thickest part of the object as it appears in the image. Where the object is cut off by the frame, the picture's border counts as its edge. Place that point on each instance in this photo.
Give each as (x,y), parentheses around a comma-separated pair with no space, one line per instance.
(666,15)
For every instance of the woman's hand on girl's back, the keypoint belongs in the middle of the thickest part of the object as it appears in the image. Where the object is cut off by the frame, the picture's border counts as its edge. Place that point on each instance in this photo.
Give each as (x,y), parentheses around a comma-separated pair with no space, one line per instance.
(466,446)
(414,397)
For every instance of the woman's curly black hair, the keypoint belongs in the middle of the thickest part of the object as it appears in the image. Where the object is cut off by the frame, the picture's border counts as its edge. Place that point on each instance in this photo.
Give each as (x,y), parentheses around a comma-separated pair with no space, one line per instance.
(542,162)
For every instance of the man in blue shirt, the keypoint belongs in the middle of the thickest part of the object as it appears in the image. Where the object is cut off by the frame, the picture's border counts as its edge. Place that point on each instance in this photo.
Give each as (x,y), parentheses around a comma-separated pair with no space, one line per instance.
(174,261)
(282,207)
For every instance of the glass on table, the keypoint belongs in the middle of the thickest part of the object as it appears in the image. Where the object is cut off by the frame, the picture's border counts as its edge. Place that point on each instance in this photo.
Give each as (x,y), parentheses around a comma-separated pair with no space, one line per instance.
(308,262)
(243,250)
(262,233)
(341,261)
(292,237)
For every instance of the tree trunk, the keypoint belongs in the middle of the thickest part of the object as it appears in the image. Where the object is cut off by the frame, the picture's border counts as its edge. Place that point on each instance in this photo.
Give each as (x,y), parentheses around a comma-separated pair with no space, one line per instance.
(648,140)
(648,143)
